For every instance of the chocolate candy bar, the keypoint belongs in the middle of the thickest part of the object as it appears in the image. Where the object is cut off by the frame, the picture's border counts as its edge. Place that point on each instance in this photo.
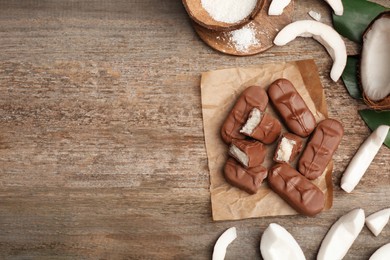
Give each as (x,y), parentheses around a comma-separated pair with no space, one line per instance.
(291,107)
(262,126)
(249,153)
(289,146)
(319,150)
(302,195)
(248,179)
(252,97)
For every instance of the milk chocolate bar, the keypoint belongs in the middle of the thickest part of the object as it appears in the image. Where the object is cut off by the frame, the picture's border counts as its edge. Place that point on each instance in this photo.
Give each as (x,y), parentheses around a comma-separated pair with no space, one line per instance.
(252,97)
(320,148)
(262,126)
(288,148)
(247,179)
(301,194)
(291,107)
(249,153)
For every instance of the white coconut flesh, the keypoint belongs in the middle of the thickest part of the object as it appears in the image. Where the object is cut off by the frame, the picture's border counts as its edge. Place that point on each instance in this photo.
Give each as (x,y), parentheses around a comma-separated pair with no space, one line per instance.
(223,242)
(375,62)
(324,34)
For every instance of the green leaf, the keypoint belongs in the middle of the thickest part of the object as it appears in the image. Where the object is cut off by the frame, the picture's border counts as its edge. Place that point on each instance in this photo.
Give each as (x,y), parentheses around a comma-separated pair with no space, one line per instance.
(350,77)
(375,118)
(357,15)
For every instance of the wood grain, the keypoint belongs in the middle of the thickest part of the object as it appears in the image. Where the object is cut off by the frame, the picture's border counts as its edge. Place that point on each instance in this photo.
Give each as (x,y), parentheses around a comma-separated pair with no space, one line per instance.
(102,150)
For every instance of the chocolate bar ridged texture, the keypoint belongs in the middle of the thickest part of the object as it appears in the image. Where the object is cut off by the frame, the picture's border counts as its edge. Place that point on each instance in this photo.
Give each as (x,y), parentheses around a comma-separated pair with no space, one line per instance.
(254,150)
(268,130)
(247,179)
(296,147)
(320,148)
(301,194)
(291,107)
(251,97)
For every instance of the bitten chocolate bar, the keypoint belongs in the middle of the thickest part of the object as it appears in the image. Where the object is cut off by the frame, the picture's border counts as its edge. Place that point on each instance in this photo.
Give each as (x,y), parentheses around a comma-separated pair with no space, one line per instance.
(291,107)
(249,153)
(252,97)
(262,126)
(288,148)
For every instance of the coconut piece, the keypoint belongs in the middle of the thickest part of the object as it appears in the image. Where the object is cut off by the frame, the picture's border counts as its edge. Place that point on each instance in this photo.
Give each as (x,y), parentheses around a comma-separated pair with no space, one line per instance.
(341,235)
(363,158)
(375,61)
(381,253)
(223,242)
(337,6)
(221,14)
(277,243)
(316,16)
(377,221)
(324,34)
(277,6)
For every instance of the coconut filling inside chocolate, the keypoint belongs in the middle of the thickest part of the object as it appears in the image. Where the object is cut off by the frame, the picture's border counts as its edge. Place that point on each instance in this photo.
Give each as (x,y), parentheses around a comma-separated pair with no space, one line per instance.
(239,155)
(253,121)
(285,149)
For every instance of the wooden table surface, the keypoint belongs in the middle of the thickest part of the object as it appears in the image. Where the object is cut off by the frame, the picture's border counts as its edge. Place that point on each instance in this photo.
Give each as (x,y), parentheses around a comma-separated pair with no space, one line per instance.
(102,152)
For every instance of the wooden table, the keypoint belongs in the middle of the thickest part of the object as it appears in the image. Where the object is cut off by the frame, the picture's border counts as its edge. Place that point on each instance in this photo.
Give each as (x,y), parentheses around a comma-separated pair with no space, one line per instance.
(102,151)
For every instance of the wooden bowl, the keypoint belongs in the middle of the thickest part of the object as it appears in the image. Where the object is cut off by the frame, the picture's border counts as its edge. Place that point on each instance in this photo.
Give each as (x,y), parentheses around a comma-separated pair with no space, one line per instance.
(198,14)
(264,28)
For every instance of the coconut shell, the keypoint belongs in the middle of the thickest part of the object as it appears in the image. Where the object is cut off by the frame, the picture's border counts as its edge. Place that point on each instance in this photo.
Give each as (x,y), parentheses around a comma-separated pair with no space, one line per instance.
(199,15)
(382,104)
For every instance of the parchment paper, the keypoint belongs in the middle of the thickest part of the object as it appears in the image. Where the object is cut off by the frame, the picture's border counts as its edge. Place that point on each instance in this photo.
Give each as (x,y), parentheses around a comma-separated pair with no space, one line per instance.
(219,91)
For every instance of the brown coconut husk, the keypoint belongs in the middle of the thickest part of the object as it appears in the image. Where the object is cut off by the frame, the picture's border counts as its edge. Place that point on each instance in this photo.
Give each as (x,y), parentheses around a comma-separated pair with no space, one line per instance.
(199,15)
(382,104)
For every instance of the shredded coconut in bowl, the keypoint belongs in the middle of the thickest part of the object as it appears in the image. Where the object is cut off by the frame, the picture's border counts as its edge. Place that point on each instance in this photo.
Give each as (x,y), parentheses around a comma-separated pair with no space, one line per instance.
(229,11)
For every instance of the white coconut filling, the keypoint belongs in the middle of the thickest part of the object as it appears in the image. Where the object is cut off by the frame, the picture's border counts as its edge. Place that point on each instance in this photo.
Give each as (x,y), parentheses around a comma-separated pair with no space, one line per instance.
(253,121)
(375,63)
(239,155)
(285,149)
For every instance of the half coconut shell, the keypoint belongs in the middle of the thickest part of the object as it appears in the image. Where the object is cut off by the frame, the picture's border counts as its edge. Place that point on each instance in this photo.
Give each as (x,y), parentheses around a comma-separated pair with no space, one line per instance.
(198,13)
(374,71)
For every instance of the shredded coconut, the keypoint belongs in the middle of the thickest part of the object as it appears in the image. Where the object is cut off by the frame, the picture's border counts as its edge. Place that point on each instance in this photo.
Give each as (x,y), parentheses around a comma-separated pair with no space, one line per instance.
(243,38)
(229,11)
(316,16)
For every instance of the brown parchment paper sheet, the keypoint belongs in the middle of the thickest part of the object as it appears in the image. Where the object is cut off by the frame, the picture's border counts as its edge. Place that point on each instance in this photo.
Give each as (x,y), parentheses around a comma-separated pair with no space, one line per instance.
(219,91)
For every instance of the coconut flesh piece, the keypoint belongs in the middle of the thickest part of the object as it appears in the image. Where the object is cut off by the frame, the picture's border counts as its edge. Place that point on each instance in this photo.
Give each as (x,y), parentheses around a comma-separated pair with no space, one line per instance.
(341,235)
(277,6)
(223,242)
(377,221)
(316,16)
(375,61)
(253,121)
(363,158)
(324,34)
(337,6)
(277,243)
(382,253)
